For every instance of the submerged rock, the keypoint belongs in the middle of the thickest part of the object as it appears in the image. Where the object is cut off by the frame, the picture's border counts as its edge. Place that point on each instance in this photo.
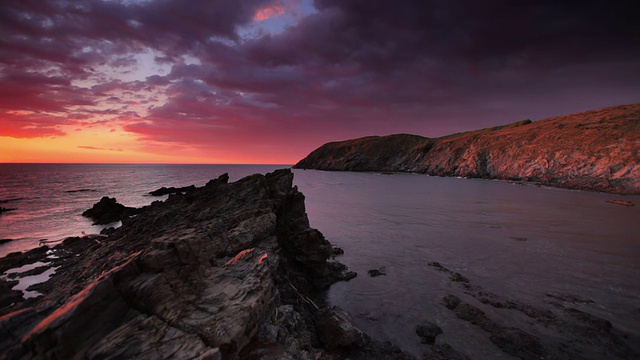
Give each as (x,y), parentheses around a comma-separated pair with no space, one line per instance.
(337,330)
(226,271)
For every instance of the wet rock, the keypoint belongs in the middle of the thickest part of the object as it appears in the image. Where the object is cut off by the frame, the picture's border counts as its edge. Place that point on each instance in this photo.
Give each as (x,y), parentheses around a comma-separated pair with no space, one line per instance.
(108,210)
(337,330)
(377,272)
(171,190)
(428,332)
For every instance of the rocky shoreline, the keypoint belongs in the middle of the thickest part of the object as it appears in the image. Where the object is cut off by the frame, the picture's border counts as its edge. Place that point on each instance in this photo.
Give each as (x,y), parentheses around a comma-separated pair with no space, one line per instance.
(234,271)
(595,150)
(226,271)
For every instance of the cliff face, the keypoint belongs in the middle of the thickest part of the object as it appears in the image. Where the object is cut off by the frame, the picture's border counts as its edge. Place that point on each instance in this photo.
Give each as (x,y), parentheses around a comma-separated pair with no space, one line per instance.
(226,271)
(596,150)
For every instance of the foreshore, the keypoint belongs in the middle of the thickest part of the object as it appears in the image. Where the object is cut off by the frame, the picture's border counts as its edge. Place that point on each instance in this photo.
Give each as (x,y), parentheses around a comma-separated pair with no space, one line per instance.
(226,271)
(234,271)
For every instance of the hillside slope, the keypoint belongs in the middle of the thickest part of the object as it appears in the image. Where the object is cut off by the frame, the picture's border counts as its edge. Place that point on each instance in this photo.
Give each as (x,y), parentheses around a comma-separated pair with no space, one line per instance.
(597,150)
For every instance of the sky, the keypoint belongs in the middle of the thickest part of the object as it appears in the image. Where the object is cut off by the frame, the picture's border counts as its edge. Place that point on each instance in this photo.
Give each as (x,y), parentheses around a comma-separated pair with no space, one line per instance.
(268,81)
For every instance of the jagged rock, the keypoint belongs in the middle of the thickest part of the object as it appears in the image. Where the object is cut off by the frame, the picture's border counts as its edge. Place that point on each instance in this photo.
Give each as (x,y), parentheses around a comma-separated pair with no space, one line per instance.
(108,210)
(594,150)
(229,270)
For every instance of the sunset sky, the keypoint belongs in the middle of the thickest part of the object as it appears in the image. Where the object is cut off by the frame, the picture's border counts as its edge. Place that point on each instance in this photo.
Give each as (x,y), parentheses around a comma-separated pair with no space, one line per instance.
(268,81)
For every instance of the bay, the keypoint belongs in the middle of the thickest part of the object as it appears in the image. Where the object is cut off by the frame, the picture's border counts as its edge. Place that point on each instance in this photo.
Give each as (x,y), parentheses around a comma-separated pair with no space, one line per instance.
(522,242)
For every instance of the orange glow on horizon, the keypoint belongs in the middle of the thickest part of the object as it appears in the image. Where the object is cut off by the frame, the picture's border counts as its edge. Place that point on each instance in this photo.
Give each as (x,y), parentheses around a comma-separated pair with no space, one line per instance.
(104,144)
(60,150)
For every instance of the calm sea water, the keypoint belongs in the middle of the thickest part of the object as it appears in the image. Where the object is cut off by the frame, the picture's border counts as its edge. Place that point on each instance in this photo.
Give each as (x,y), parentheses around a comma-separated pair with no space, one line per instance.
(521,242)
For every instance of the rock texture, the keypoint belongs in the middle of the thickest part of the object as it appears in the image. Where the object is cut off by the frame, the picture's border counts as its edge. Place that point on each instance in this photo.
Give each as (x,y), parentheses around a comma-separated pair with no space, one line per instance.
(596,150)
(226,271)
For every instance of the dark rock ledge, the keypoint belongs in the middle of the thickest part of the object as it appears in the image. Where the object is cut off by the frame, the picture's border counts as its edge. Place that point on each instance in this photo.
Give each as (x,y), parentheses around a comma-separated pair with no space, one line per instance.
(226,271)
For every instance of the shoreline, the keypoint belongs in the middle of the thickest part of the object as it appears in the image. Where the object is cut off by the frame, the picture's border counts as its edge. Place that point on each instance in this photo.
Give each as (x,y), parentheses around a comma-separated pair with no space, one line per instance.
(175,268)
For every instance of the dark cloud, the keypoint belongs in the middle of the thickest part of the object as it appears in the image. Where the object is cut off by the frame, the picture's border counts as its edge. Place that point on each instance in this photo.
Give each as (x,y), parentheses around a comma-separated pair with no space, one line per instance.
(351,68)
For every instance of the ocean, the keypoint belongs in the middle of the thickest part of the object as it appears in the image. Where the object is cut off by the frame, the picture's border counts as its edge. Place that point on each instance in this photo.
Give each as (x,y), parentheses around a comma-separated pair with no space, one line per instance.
(524,242)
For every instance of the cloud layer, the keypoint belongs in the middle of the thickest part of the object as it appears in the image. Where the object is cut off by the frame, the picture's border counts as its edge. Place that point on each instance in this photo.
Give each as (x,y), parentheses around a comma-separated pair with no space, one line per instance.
(278,78)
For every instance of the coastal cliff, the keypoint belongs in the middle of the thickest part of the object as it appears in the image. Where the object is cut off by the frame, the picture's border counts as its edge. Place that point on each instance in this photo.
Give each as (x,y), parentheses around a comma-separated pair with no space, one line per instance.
(597,150)
(225,271)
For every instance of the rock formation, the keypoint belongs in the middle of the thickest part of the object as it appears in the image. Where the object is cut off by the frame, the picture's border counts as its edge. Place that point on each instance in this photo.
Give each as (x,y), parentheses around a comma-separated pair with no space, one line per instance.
(596,150)
(226,271)
(108,210)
